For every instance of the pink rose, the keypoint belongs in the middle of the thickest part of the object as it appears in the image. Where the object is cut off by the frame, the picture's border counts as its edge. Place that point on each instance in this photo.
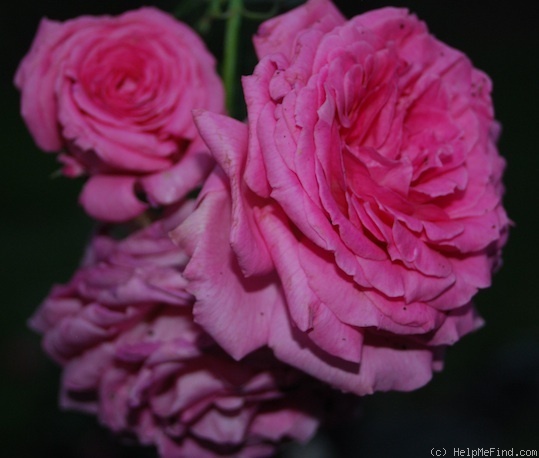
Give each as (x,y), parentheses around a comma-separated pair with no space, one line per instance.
(123,331)
(114,96)
(367,188)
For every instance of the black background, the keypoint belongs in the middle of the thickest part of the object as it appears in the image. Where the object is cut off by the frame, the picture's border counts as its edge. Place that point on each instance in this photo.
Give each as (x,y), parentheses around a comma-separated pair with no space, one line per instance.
(488,394)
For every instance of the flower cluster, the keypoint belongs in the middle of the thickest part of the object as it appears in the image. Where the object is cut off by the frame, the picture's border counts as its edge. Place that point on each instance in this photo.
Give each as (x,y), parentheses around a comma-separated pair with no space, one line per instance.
(338,238)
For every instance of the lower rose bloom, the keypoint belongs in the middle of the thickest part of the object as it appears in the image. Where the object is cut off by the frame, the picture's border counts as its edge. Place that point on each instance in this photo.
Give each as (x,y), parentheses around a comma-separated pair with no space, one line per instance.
(363,200)
(123,331)
(114,96)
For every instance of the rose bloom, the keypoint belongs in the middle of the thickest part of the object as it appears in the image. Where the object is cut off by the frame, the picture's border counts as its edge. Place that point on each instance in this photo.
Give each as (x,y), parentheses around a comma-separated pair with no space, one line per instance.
(366,186)
(123,331)
(114,96)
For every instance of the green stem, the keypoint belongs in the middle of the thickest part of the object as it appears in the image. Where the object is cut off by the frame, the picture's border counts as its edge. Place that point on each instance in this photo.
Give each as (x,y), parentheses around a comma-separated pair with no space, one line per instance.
(230,62)
(213,11)
(262,16)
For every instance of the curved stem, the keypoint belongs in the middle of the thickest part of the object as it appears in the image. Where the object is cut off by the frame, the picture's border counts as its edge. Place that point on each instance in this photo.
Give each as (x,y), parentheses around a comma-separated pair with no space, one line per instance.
(230,61)
(213,11)
(262,16)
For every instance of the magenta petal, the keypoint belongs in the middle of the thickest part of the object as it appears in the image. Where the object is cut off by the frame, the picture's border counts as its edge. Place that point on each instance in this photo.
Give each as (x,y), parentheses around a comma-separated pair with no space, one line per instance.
(281,423)
(399,367)
(227,140)
(234,310)
(414,253)
(192,393)
(300,298)
(458,323)
(382,368)
(116,285)
(222,428)
(84,373)
(38,104)
(479,232)
(336,337)
(111,198)
(166,187)
(53,310)
(277,35)
(307,311)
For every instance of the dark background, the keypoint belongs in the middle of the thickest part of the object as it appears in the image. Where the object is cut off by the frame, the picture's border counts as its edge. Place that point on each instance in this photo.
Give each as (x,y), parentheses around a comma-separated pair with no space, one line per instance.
(488,394)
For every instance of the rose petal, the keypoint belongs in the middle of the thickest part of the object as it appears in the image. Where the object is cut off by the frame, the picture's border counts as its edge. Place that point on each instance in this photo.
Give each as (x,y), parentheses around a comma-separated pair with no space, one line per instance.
(111,198)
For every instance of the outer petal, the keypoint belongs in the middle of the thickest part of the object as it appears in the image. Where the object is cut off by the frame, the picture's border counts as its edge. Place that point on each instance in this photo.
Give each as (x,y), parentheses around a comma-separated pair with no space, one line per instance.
(457,324)
(38,103)
(236,311)
(384,367)
(307,311)
(227,140)
(111,198)
(169,186)
(277,35)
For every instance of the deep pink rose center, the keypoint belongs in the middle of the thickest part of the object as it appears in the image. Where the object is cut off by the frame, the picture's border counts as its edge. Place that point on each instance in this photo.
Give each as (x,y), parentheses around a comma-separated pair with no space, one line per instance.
(124,80)
(395,140)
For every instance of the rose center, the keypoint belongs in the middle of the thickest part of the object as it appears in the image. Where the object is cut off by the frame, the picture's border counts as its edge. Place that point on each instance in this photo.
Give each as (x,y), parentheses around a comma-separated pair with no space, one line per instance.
(126,86)
(121,80)
(401,140)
